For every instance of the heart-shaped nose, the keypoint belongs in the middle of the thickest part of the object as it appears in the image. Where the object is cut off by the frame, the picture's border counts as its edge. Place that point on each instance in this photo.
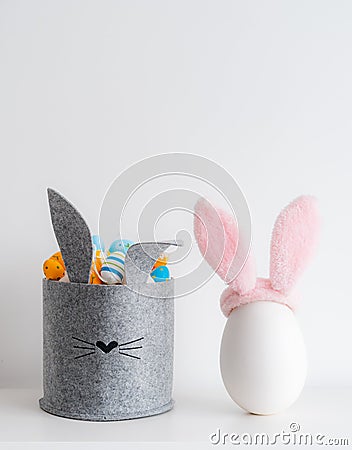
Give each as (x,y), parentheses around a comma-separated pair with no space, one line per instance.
(106,348)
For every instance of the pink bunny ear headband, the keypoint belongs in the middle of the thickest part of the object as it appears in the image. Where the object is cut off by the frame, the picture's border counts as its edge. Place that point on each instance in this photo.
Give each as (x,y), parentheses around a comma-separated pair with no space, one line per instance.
(293,242)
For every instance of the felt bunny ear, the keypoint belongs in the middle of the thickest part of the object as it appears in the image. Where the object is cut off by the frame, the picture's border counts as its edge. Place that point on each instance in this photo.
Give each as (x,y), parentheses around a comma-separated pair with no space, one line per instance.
(73,236)
(293,242)
(217,236)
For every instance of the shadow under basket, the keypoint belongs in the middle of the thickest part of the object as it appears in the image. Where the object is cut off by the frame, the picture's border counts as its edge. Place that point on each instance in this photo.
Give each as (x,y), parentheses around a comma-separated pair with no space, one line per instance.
(108,350)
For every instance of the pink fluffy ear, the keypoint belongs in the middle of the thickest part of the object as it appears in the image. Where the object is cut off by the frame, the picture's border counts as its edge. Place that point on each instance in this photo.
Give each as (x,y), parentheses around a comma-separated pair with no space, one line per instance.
(217,236)
(293,242)
(246,279)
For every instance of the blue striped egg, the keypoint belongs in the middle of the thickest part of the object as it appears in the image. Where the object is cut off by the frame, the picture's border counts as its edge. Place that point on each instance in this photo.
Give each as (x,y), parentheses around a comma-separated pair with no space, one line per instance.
(120,245)
(113,268)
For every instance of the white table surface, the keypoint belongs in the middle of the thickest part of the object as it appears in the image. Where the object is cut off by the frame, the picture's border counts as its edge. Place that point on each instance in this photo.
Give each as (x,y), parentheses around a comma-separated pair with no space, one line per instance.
(194,418)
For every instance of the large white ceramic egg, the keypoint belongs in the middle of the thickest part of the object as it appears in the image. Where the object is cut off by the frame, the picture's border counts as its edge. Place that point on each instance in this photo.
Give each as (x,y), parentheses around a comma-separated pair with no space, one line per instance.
(263,358)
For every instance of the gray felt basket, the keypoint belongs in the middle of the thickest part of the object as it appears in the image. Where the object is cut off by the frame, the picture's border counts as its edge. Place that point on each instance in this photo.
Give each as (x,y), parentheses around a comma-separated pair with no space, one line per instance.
(108,350)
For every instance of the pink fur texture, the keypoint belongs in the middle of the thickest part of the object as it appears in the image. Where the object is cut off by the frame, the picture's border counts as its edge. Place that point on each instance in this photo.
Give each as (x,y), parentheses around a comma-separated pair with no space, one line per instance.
(263,291)
(217,234)
(293,242)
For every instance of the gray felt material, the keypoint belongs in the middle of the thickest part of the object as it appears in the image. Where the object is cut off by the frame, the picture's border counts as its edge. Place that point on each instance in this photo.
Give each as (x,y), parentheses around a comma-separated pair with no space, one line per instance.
(127,337)
(73,236)
(140,259)
(107,350)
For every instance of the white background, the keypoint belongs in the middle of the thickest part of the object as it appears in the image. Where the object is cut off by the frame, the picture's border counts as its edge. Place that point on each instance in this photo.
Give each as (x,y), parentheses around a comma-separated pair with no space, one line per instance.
(263,88)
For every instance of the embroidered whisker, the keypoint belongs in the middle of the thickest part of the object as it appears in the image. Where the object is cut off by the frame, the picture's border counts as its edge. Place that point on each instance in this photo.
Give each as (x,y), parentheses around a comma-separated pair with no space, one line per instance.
(131,342)
(84,348)
(130,348)
(81,356)
(81,340)
(131,356)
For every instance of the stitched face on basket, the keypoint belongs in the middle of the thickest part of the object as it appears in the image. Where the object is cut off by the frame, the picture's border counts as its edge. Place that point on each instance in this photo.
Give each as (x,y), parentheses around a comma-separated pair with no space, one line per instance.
(84,348)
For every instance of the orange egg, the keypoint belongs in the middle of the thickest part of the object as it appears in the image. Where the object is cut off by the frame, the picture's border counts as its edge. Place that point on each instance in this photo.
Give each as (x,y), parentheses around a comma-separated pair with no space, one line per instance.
(94,279)
(99,259)
(162,261)
(53,270)
(58,257)
(95,268)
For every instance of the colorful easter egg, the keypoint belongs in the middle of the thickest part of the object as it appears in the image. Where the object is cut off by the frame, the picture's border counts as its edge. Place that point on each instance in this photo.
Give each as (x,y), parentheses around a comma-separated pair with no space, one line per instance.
(53,270)
(113,268)
(96,267)
(94,277)
(98,244)
(161,261)
(99,259)
(160,274)
(58,257)
(120,245)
